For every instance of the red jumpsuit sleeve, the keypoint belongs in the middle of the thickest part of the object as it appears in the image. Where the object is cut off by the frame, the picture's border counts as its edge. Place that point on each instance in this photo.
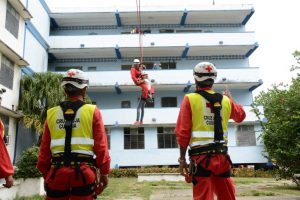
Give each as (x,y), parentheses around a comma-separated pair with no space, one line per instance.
(100,144)
(133,74)
(45,156)
(6,167)
(238,113)
(184,123)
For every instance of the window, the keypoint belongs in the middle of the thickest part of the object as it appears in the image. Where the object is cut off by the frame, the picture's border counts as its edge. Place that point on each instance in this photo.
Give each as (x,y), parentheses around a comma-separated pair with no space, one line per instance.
(107,131)
(5,120)
(64,69)
(149,65)
(12,20)
(166,30)
(7,73)
(245,135)
(146,31)
(168,65)
(188,31)
(92,68)
(125,104)
(166,138)
(126,67)
(168,102)
(134,138)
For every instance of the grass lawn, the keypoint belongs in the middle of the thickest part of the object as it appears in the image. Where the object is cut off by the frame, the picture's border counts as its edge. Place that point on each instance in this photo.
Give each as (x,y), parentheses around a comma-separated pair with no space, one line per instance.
(129,188)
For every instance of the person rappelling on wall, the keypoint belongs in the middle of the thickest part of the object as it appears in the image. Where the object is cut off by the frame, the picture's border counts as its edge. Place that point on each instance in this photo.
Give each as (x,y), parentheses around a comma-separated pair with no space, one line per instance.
(140,78)
(142,100)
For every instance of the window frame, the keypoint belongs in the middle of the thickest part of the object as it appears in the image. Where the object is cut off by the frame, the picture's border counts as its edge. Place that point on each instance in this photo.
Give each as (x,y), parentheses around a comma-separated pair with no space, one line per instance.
(131,133)
(163,134)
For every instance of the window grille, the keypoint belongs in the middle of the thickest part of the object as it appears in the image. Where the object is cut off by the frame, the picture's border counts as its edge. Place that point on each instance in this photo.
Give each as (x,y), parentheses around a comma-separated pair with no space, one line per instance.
(125,104)
(7,73)
(134,138)
(12,20)
(169,102)
(166,138)
(245,135)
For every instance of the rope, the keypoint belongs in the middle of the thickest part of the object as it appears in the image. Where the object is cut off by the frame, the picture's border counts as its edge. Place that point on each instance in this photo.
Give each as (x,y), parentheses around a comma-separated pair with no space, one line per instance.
(139,19)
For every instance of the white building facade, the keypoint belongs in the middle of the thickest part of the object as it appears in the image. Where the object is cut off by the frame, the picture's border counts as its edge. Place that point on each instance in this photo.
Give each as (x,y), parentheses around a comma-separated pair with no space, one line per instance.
(34,38)
(24,31)
(176,38)
(13,14)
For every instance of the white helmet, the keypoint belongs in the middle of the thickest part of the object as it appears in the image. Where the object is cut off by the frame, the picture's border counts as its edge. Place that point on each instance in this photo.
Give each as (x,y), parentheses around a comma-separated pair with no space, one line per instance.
(136,61)
(76,78)
(204,71)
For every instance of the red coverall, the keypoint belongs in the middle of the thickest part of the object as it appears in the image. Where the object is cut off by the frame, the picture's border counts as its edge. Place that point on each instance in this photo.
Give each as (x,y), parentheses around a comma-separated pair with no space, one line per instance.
(6,167)
(207,186)
(136,77)
(65,177)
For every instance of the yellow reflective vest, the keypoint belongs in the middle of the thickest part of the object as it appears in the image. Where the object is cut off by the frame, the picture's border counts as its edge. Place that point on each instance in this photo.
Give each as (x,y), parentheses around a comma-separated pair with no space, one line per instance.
(1,129)
(203,119)
(82,134)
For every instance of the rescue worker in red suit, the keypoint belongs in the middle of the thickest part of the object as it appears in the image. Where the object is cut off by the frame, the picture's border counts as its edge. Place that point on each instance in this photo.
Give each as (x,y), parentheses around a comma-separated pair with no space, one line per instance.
(73,145)
(6,167)
(202,125)
(135,72)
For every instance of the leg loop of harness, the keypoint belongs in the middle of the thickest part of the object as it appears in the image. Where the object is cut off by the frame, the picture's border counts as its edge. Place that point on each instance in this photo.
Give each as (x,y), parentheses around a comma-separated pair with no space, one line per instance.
(83,190)
(56,193)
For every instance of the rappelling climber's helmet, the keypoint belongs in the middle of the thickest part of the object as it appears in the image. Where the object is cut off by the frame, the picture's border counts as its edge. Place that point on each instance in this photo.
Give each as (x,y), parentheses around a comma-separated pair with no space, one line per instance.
(76,78)
(136,61)
(204,71)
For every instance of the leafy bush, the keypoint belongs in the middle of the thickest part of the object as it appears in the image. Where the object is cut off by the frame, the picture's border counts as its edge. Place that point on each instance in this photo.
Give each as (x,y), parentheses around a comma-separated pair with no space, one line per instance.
(26,165)
(133,172)
(236,172)
(250,172)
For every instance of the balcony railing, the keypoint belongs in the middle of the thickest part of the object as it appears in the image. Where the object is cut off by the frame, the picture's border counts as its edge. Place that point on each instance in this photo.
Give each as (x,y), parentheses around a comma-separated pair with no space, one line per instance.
(154,116)
(103,46)
(241,78)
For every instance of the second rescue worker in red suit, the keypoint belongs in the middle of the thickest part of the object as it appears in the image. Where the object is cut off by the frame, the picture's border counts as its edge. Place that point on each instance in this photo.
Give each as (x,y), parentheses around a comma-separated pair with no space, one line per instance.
(202,125)
(136,76)
(6,167)
(74,143)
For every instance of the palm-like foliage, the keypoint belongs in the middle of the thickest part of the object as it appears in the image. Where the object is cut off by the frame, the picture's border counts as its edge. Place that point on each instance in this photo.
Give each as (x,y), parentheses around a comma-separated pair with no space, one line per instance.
(39,92)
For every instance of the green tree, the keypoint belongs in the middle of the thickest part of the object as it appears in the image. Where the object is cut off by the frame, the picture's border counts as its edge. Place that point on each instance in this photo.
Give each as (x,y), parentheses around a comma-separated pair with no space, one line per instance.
(39,92)
(281,129)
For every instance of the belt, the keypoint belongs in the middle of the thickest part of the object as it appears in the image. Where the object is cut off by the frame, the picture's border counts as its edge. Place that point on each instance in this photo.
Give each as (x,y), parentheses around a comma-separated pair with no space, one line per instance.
(211,149)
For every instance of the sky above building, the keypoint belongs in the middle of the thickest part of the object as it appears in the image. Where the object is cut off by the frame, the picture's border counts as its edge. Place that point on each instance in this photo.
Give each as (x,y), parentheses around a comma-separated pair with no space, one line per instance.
(276,26)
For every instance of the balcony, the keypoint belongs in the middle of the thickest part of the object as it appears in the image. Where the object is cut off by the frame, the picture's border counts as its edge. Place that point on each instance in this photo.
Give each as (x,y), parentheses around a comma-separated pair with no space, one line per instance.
(153,116)
(102,81)
(176,44)
(164,13)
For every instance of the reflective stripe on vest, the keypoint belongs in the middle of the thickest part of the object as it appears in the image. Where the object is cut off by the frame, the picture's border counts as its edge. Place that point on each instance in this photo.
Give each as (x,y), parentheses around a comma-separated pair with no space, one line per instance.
(82,134)
(1,129)
(202,119)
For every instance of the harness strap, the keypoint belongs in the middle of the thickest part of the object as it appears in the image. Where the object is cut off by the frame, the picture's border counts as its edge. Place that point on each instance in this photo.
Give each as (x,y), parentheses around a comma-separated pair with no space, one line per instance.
(216,102)
(56,193)
(211,148)
(85,190)
(69,110)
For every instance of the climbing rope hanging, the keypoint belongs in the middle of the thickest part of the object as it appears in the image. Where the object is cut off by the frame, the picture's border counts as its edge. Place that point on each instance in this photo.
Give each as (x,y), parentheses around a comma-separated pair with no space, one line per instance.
(139,29)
